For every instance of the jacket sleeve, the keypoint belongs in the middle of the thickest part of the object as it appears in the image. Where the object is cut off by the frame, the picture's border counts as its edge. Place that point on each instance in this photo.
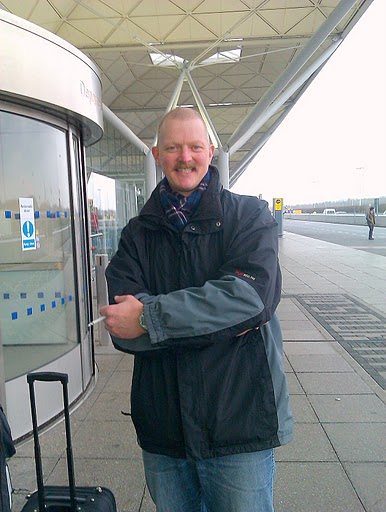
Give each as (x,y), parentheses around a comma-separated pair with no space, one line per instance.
(245,296)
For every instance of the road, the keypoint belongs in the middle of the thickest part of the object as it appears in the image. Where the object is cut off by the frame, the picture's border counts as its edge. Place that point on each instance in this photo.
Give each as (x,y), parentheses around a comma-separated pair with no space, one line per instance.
(341,234)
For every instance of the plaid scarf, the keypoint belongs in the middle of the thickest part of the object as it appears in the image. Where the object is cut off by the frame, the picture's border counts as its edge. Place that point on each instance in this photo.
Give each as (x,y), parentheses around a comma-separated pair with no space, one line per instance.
(178,208)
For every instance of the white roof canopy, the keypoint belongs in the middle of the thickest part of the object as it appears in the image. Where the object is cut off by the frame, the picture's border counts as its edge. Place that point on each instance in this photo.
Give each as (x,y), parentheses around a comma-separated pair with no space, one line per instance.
(243,63)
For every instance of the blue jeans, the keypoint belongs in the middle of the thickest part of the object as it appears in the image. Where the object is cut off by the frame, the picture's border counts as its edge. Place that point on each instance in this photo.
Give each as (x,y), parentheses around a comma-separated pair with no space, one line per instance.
(234,483)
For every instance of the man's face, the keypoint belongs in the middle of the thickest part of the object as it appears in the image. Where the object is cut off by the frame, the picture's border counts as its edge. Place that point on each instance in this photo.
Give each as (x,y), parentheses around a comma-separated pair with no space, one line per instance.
(184,153)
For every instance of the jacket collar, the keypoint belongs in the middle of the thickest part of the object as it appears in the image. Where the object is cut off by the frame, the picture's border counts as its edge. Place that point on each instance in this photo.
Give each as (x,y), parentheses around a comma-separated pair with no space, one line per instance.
(209,208)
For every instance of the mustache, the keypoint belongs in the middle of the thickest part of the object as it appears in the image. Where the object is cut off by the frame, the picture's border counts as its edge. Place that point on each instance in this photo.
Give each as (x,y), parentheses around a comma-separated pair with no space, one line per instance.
(185,167)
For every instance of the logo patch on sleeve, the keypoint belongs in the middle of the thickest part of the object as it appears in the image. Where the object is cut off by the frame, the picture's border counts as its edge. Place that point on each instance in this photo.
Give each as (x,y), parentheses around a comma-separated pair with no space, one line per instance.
(243,274)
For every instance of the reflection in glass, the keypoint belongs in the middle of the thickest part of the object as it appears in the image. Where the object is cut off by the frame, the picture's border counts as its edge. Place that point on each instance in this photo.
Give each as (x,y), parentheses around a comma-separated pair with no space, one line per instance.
(103,215)
(113,202)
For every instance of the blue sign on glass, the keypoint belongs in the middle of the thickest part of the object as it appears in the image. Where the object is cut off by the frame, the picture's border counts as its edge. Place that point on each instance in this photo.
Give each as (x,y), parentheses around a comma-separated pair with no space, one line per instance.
(27,223)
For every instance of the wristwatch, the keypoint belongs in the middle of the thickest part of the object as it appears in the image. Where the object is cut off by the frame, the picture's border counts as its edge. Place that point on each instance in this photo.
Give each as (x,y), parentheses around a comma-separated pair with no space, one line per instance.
(142,321)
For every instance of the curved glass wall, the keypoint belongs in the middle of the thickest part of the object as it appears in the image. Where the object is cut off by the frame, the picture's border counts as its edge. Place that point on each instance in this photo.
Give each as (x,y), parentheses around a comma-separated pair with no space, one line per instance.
(37,271)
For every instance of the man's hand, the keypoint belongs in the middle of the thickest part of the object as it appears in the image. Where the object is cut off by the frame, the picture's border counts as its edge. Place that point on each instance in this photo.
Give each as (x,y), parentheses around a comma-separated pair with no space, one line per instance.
(122,318)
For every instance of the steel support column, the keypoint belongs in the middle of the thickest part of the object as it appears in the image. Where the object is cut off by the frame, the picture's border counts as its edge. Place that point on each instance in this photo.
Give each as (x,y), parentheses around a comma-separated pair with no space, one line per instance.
(150,174)
(177,91)
(223,167)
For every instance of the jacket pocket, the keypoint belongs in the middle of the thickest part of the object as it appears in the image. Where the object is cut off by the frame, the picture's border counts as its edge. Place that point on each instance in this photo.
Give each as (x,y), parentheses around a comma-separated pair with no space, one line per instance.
(241,404)
(155,406)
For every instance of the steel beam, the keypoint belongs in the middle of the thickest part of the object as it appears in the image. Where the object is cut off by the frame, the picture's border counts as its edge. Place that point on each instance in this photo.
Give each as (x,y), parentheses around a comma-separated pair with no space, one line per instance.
(246,128)
(204,113)
(124,130)
(289,91)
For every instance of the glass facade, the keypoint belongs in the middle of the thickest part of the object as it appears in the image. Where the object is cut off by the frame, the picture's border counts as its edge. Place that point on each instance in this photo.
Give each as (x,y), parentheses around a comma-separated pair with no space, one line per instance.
(38,295)
(42,209)
(49,185)
(115,188)
(50,109)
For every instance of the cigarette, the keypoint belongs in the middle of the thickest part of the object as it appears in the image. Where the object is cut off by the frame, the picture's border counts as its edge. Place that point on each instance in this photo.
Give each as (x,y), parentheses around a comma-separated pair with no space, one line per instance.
(100,319)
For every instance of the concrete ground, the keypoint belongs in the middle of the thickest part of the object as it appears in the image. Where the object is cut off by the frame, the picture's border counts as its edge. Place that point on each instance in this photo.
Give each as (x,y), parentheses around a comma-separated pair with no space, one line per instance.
(336,374)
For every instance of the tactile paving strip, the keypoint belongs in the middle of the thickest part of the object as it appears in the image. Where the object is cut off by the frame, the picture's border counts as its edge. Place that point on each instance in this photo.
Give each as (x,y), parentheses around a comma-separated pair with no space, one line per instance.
(360,330)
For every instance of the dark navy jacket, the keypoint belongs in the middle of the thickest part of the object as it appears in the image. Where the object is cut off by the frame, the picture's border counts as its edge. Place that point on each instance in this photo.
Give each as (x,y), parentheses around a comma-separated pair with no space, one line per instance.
(199,390)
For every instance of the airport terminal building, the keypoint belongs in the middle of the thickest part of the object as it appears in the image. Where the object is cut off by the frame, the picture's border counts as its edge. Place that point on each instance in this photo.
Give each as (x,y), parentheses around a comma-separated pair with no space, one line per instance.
(72,173)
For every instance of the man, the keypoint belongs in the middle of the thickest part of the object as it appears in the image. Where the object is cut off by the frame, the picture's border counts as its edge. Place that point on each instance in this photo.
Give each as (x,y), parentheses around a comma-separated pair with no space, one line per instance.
(370,219)
(194,287)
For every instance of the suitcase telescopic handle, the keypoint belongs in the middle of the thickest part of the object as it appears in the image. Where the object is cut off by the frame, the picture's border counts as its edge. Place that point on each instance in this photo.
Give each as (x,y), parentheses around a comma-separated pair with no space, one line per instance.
(47,377)
(52,377)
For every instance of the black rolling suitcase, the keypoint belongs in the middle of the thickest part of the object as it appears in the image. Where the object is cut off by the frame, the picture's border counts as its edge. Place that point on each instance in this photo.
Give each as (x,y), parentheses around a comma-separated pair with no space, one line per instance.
(57,498)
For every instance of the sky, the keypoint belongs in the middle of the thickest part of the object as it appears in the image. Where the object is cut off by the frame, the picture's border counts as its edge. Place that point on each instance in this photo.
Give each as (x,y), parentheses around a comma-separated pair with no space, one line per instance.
(332,145)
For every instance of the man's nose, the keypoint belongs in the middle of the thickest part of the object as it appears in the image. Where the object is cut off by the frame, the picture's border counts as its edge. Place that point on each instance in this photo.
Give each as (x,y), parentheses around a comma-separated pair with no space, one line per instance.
(185,154)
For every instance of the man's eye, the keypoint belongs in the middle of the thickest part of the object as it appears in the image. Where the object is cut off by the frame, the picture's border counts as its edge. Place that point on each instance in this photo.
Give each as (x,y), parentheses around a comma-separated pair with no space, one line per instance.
(197,148)
(171,148)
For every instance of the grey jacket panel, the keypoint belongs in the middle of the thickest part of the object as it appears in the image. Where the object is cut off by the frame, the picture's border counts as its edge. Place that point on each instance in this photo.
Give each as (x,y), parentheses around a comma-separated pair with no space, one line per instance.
(273,341)
(216,306)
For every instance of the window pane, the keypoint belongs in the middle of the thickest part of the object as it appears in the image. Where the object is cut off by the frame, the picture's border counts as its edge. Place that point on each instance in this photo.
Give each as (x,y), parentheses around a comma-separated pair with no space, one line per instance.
(37,287)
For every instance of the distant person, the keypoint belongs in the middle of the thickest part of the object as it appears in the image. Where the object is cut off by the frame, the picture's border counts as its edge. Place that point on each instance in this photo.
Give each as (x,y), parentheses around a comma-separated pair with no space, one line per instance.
(370,219)
(94,220)
(197,274)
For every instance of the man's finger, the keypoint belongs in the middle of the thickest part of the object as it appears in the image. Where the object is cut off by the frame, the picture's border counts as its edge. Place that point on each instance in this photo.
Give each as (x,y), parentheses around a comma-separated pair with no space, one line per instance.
(121,298)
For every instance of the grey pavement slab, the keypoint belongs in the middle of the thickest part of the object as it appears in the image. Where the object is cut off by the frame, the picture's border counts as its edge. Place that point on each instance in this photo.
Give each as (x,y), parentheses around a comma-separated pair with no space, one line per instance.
(362,273)
(358,442)
(302,410)
(314,487)
(287,366)
(369,482)
(310,443)
(297,324)
(330,383)
(111,406)
(348,408)
(294,386)
(309,348)
(300,331)
(319,363)
(290,315)
(80,413)
(106,439)
(52,441)
(119,382)
(109,362)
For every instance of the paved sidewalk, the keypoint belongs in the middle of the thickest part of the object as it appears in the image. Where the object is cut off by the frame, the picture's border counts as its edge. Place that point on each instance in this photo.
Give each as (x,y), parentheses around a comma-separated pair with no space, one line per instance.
(336,461)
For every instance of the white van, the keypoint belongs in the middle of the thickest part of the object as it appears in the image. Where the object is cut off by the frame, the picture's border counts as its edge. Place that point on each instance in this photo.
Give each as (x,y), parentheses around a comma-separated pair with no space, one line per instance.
(329,211)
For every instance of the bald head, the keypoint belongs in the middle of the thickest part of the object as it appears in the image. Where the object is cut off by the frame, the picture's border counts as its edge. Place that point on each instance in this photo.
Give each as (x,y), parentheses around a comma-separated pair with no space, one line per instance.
(179,114)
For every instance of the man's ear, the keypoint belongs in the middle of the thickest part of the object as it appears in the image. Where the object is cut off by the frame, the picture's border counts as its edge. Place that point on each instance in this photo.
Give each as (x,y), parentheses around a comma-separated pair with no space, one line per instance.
(155,152)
